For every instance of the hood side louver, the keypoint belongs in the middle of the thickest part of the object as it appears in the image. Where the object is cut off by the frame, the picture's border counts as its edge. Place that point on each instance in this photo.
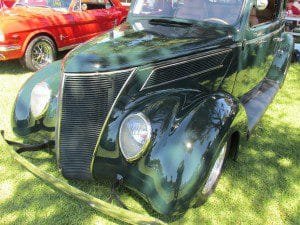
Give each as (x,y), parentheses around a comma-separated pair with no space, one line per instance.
(184,68)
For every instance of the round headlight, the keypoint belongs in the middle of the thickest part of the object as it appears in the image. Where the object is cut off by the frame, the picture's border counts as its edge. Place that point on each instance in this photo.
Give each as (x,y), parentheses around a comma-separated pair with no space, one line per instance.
(39,99)
(134,136)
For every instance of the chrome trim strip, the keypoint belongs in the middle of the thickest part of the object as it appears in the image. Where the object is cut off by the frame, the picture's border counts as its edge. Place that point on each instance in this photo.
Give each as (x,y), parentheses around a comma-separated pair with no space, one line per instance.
(264,36)
(182,78)
(98,73)
(59,111)
(68,47)
(293,18)
(60,104)
(185,61)
(294,34)
(8,48)
(104,207)
(109,114)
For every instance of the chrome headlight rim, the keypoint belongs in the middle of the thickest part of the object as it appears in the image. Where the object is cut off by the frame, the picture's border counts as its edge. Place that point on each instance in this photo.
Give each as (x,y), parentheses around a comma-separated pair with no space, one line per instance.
(146,144)
(47,102)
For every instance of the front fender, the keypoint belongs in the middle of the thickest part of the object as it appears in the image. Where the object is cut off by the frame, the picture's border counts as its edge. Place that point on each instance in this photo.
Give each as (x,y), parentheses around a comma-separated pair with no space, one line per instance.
(186,139)
(23,123)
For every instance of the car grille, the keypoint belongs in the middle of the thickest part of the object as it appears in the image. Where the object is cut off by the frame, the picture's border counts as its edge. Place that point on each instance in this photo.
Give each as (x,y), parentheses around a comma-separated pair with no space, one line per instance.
(86,101)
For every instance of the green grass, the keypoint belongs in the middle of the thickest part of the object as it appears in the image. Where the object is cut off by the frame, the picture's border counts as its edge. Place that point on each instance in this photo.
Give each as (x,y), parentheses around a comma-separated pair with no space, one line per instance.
(263,187)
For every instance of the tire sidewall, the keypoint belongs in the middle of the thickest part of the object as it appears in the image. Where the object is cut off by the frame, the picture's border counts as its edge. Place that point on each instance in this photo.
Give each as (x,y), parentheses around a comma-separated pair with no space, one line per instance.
(27,59)
(202,198)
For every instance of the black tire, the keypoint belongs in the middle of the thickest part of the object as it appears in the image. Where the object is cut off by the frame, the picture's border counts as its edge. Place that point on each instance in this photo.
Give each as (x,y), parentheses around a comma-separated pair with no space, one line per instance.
(295,56)
(204,195)
(40,52)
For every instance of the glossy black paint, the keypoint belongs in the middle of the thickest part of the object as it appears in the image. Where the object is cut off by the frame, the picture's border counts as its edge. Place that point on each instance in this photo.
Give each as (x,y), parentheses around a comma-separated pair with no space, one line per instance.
(140,43)
(23,123)
(171,173)
(193,111)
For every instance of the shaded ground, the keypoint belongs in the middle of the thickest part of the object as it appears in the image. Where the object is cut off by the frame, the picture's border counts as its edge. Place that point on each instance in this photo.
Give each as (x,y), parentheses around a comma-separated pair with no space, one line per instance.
(263,187)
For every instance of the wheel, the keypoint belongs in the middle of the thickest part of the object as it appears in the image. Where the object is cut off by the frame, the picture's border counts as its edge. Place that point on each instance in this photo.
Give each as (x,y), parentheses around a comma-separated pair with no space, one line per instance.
(295,56)
(213,176)
(215,172)
(40,52)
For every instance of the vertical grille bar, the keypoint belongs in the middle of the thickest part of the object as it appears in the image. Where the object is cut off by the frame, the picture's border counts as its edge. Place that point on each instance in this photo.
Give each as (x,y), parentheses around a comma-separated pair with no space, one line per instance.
(86,101)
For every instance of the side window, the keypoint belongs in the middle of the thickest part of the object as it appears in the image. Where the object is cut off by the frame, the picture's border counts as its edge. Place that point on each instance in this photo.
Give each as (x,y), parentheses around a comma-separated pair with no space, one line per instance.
(126,2)
(269,14)
(95,4)
(77,5)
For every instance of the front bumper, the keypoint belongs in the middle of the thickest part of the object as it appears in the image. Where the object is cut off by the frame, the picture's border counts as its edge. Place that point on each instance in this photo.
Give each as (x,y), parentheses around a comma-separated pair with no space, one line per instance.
(9,52)
(100,205)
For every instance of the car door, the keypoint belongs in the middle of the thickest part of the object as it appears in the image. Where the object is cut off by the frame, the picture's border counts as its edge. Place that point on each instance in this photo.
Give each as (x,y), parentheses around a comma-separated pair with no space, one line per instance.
(114,16)
(94,18)
(259,47)
(64,29)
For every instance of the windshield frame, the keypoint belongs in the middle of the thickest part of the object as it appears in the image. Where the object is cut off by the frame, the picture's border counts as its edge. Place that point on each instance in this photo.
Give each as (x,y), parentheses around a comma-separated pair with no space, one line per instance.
(237,23)
(70,6)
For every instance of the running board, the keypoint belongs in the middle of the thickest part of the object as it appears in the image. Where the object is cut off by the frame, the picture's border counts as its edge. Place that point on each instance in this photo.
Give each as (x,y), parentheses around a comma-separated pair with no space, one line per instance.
(257,101)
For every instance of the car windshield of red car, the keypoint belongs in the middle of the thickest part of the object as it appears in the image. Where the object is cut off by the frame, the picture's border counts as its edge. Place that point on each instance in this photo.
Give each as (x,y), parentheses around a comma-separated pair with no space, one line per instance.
(218,11)
(293,8)
(46,3)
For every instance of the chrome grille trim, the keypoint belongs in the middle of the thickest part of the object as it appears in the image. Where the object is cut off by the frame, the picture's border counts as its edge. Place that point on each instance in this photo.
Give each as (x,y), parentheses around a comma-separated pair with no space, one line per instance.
(109,78)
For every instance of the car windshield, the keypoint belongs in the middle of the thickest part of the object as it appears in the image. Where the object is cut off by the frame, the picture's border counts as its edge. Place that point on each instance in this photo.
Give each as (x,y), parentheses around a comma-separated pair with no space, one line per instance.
(219,11)
(58,4)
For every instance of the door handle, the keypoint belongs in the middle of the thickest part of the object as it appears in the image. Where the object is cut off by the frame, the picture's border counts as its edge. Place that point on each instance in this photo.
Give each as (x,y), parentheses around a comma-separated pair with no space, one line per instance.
(278,39)
(261,42)
(62,37)
(115,22)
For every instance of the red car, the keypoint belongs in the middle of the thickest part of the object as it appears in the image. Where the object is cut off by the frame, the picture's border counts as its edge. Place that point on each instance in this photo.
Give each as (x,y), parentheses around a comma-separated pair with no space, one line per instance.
(35,30)
(9,3)
(6,3)
(1,5)
(293,8)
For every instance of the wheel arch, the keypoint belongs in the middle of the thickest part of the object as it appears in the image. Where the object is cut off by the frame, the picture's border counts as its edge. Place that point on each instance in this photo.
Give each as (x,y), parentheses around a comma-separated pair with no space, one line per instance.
(36,34)
(123,20)
(234,144)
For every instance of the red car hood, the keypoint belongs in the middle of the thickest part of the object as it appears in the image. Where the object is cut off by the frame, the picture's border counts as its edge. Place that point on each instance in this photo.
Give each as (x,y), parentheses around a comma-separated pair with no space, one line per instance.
(18,19)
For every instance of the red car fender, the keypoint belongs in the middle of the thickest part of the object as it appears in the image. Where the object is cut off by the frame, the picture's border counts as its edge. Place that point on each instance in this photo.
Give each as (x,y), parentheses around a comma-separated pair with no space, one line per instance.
(36,33)
(9,3)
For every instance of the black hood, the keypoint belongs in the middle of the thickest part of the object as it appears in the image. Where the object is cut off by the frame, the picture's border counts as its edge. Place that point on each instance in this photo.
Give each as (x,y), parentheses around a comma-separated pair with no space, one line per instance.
(143,43)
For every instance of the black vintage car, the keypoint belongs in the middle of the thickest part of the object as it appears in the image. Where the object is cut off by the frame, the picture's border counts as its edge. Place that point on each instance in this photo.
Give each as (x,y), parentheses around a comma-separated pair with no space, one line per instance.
(159,102)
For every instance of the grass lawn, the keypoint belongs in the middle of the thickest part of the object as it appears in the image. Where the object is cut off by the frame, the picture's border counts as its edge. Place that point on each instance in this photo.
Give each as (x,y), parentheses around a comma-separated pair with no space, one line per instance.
(263,187)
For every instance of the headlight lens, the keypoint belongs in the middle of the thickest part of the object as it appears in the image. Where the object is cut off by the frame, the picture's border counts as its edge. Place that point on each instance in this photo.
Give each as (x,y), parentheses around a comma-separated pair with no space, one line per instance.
(40,98)
(135,134)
